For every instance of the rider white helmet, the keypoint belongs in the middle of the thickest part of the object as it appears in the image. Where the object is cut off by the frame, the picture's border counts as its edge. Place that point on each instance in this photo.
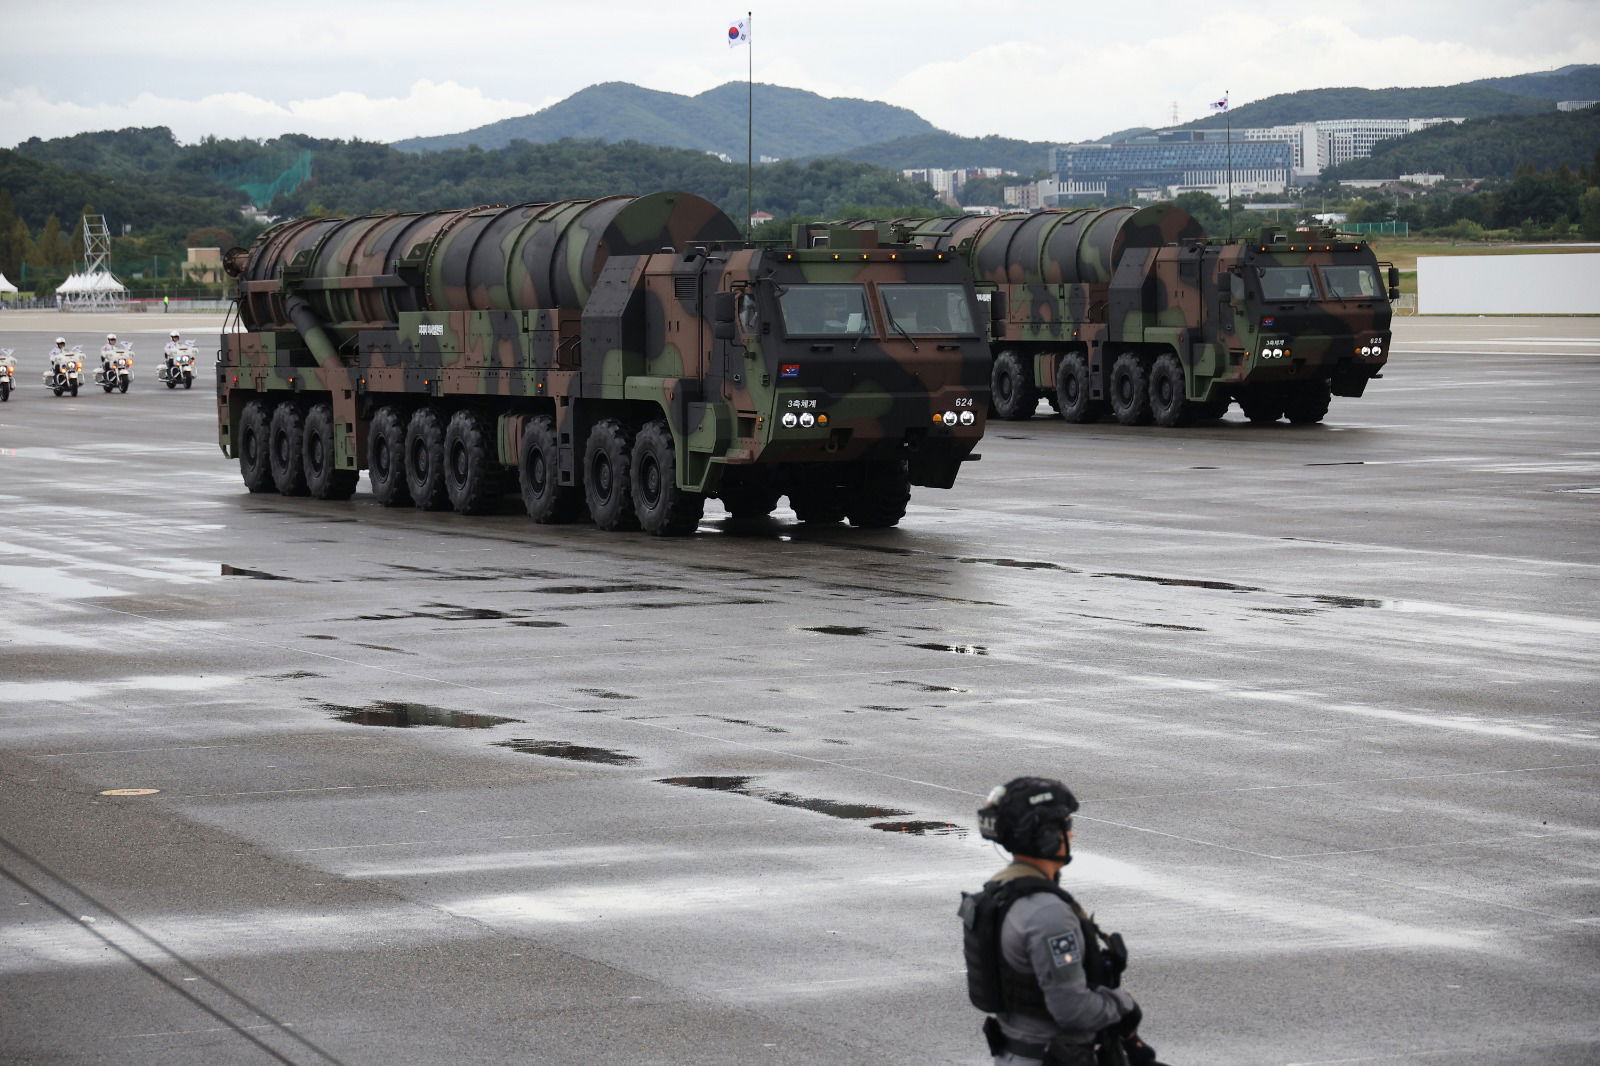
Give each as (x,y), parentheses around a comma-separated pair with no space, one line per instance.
(61,340)
(111,336)
(174,334)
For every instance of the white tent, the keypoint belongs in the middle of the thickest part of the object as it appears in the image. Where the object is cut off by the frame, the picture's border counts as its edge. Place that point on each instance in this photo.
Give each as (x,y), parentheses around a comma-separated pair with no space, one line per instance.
(6,286)
(92,290)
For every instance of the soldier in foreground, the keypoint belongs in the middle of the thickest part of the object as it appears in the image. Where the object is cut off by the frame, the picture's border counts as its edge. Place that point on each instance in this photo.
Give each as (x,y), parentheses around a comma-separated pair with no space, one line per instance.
(1036,963)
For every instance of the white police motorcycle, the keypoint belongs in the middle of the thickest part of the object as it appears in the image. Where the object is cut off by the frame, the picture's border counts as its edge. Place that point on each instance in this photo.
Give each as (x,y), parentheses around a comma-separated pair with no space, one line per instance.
(179,366)
(65,372)
(116,367)
(8,374)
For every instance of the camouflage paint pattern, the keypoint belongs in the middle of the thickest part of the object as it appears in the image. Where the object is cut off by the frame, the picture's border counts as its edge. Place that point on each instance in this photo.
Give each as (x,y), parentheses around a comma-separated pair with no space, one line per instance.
(1148,281)
(574,310)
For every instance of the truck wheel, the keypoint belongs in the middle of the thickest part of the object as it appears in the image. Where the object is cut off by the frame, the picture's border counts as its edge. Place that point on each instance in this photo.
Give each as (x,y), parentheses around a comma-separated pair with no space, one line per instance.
(469,474)
(424,463)
(1262,404)
(255,422)
(324,479)
(880,500)
(1130,390)
(662,506)
(1307,403)
(1072,390)
(818,503)
(747,501)
(539,473)
(1011,386)
(285,449)
(607,476)
(386,457)
(1168,405)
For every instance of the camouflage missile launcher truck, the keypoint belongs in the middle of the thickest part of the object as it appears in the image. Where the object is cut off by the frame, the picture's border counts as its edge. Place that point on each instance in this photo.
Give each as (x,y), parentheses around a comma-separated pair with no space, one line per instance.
(626,356)
(1134,312)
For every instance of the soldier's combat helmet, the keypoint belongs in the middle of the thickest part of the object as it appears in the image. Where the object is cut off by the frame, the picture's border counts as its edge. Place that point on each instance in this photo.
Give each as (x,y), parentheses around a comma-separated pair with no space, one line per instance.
(1029,816)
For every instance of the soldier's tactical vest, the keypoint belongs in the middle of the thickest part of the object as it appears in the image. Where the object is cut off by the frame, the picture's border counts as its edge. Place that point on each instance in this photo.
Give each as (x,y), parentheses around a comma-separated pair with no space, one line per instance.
(994,987)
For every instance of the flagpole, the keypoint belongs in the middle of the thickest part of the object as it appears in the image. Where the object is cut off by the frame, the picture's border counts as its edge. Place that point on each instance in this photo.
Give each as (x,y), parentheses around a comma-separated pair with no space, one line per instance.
(749,125)
(1227,115)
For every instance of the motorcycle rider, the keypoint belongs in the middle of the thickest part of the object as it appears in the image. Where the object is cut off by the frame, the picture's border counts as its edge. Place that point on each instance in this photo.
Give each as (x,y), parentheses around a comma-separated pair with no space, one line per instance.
(108,350)
(174,345)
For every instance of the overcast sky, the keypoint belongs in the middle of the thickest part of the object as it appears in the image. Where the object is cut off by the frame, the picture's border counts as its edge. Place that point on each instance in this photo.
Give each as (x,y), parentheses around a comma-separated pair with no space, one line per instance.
(390,69)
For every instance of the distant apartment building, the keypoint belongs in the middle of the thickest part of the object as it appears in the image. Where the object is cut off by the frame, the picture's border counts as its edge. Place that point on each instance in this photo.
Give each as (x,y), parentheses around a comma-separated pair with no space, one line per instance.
(1168,163)
(1265,160)
(947,183)
(1575,105)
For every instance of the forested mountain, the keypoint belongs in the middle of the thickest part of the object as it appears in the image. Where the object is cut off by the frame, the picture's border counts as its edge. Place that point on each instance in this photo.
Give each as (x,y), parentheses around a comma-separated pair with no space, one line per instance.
(1524,94)
(162,191)
(1485,148)
(788,122)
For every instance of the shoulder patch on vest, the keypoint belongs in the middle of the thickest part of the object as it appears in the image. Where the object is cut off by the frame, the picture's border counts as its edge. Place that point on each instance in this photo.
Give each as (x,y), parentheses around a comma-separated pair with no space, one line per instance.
(1064,949)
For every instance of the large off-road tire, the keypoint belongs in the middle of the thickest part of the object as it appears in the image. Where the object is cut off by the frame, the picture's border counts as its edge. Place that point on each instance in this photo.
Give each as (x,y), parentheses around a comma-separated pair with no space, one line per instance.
(1011,387)
(254,466)
(1130,390)
(324,478)
(663,507)
(1073,388)
(818,504)
(386,457)
(1307,402)
(879,500)
(471,477)
(1262,404)
(424,463)
(1168,404)
(539,475)
(748,500)
(607,476)
(285,448)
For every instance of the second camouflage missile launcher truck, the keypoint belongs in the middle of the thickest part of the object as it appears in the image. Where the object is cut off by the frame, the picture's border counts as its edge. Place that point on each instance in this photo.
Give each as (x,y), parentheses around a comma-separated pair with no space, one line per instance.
(1134,312)
(626,356)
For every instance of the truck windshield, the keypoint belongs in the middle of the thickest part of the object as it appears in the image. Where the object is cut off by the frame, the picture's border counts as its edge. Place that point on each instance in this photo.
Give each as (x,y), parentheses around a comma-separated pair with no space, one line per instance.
(824,310)
(1351,282)
(929,309)
(1285,283)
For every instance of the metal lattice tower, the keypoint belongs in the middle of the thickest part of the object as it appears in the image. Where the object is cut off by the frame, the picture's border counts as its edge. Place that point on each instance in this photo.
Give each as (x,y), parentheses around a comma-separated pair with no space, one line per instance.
(96,243)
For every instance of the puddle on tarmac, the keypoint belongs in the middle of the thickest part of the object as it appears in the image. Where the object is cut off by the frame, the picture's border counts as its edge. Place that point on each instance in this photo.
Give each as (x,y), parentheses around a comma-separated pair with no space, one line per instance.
(293,675)
(1285,610)
(1171,626)
(744,721)
(606,694)
(882,707)
(957,649)
(1346,462)
(259,575)
(377,647)
(440,612)
(1344,601)
(1184,582)
(839,631)
(1022,564)
(741,786)
(560,749)
(537,624)
(593,590)
(396,715)
(922,829)
(923,686)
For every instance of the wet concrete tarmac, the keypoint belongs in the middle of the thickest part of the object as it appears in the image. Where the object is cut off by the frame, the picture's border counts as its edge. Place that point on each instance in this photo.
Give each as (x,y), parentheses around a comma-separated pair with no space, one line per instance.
(327,782)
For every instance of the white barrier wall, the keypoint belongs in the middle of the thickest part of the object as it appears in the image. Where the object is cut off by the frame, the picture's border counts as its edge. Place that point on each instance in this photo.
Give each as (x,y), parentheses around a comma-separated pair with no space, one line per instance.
(1508,284)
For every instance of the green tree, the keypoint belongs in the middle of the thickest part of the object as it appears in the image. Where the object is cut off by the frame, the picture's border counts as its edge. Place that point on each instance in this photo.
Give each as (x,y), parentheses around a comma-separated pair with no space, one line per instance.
(1589,214)
(55,251)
